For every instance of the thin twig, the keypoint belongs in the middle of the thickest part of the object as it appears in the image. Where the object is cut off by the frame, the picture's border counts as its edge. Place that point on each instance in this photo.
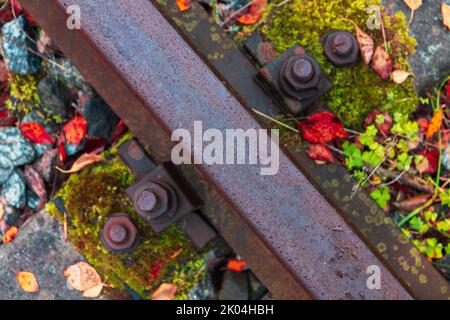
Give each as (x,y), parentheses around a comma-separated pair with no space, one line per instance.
(275,120)
(237,13)
(282,3)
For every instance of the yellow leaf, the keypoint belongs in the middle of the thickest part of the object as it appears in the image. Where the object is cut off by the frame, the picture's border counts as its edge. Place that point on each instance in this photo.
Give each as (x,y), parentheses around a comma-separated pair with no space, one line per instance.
(165,291)
(446,14)
(435,123)
(183,5)
(82,277)
(399,76)
(94,292)
(27,281)
(85,160)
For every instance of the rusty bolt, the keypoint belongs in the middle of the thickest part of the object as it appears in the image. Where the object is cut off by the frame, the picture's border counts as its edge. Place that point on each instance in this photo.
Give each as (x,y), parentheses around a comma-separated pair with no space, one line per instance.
(147,200)
(119,234)
(300,76)
(341,48)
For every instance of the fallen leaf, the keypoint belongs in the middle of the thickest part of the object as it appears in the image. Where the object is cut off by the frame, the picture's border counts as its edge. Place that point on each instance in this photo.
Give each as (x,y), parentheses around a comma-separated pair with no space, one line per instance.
(319,152)
(366,45)
(94,292)
(423,124)
(10,235)
(384,127)
(36,133)
(236,265)
(382,63)
(254,13)
(446,14)
(413,5)
(85,160)
(36,184)
(176,253)
(82,276)
(6,119)
(62,154)
(156,269)
(321,128)
(399,76)
(430,162)
(413,203)
(435,123)
(27,281)
(75,130)
(165,291)
(183,5)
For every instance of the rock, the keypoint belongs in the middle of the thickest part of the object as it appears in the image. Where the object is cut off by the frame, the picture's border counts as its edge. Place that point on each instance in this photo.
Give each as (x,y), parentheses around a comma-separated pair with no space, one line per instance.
(72,149)
(44,165)
(234,286)
(14,190)
(100,118)
(446,157)
(55,97)
(204,290)
(15,44)
(6,168)
(16,147)
(32,200)
(443,266)
(66,72)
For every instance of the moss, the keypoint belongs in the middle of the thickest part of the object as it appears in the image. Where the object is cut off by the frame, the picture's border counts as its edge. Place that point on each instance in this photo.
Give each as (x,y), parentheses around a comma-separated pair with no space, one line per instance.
(357,90)
(90,198)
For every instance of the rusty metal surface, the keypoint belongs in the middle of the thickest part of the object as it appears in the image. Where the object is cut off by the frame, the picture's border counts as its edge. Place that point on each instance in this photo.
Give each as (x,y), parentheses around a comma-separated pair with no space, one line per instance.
(157,83)
(334,182)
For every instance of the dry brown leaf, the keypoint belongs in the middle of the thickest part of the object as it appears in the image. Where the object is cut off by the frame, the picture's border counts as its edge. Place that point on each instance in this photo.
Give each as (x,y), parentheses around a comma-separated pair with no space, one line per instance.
(94,292)
(446,14)
(82,276)
(85,160)
(413,5)
(399,76)
(382,63)
(366,45)
(165,291)
(27,281)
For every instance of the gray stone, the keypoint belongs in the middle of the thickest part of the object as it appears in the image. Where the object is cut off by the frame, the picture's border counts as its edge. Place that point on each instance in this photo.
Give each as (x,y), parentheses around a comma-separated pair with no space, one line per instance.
(55,97)
(14,190)
(234,286)
(446,157)
(430,63)
(204,290)
(72,149)
(32,200)
(100,118)
(19,150)
(39,248)
(66,72)
(44,165)
(6,168)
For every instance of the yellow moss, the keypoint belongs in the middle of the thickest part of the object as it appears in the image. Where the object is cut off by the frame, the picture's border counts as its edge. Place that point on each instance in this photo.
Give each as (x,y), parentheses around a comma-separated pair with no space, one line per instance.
(356,90)
(90,198)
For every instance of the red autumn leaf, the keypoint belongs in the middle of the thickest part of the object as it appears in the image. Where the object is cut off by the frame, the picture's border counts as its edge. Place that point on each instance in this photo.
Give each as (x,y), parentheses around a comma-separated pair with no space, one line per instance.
(6,120)
(254,13)
(10,235)
(435,123)
(156,269)
(75,130)
(423,124)
(62,151)
(384,127)
(321,128)
(382,63)
(236,265)
(431,161)
(447,89)
(119,131)
(183,5)
(319,152)
(36,133)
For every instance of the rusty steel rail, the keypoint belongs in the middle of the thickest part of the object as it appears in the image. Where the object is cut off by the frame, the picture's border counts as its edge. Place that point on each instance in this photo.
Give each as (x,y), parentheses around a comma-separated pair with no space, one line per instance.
(293,239)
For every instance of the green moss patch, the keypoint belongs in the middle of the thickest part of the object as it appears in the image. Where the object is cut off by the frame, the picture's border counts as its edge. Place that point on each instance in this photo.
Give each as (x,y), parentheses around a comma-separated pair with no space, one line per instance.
(98,192)
(357,90)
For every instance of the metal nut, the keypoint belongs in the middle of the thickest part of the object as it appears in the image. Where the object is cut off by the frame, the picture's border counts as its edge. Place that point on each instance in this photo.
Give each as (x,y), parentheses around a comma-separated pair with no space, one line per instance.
(119,234)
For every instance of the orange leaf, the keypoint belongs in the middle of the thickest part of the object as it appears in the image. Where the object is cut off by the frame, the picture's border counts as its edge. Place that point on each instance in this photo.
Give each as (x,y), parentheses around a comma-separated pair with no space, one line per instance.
(83,277)
(85,160)
(254,14)
(236,265)
(165,291)
(446,14)
(36,133)
(10,234)
(183,5)
(27,281)
(75,130)
(435,123)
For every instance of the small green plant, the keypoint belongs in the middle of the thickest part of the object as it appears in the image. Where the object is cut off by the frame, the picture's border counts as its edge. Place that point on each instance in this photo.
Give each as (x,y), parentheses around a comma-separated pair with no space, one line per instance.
(381,196)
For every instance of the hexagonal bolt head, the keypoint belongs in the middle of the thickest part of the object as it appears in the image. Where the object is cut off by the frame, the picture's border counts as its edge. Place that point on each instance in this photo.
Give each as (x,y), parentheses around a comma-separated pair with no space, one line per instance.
(342,44)
(119,234)
(303,70)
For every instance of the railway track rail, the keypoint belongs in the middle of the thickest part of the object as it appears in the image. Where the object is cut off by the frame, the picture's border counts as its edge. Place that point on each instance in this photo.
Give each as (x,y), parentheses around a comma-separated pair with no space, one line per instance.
(299,230)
